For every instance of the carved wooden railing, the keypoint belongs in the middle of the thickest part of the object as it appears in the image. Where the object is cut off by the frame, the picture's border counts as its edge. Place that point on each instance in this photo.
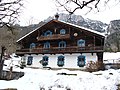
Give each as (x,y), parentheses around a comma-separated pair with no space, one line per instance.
(53,37)
(56,50)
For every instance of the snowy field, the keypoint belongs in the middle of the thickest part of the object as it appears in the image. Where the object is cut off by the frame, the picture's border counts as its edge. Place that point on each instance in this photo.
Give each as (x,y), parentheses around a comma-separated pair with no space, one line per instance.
(39,79)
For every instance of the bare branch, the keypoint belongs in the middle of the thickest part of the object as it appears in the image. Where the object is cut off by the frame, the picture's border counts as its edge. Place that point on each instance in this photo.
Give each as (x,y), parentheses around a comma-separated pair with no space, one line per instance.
(97,3)
(80,4)
(90,8)
(9,11)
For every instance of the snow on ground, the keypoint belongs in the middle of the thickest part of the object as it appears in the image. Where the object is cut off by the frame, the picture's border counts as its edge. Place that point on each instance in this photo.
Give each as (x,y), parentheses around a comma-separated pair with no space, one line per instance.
(111,57)
(34,79)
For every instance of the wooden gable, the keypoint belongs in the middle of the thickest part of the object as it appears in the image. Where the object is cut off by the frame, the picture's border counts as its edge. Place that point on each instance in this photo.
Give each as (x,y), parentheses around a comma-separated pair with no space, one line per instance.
(55,24)
(55,32)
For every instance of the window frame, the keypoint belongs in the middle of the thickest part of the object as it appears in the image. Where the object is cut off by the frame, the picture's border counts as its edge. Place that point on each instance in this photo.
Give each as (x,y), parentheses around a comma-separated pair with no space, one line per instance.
(61,61)
(48,33)
(62,44)
(81,43)
(45,60)
(29,60)
(32,45)
(81,61)
(47,45)
(62,31)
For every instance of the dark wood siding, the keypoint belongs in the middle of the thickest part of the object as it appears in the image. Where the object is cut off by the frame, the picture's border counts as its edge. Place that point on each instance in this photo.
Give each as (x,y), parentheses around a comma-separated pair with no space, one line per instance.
(93,41)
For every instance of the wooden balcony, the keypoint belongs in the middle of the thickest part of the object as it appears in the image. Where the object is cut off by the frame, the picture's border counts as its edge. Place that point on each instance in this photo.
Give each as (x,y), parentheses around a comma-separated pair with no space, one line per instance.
(53,37)
(57,50)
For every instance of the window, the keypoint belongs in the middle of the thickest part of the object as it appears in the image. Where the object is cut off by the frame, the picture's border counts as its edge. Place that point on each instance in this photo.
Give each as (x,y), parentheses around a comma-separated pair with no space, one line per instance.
(62,44)
(32,45)
(81,61)
(30,60)
(45,61)
(60,61)
(81,43)
(46,45)
(48,33)
(62,31)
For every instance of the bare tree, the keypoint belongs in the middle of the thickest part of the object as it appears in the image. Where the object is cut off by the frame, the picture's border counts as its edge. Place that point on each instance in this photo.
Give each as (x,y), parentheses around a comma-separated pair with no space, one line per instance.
(9,11)
(73,5)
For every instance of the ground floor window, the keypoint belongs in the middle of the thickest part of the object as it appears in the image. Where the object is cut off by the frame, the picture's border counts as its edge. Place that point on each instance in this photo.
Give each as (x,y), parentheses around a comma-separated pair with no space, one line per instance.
(30,60)
(60,61)
(45,61)
(81,61)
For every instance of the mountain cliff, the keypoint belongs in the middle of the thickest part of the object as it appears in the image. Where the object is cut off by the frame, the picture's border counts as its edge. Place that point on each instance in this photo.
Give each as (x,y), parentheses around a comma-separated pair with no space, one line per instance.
(79,20)
(113,38)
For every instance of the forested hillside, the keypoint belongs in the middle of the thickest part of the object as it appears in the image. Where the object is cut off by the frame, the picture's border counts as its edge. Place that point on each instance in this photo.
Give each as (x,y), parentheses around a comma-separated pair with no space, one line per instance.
(8,38)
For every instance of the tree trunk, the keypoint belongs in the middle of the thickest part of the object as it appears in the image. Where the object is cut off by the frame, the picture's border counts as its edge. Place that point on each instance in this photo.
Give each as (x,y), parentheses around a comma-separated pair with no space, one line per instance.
(1,60)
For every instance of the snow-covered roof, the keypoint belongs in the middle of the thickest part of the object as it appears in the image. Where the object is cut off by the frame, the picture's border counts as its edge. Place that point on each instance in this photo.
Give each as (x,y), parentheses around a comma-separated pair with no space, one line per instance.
(90,30)
(93,31)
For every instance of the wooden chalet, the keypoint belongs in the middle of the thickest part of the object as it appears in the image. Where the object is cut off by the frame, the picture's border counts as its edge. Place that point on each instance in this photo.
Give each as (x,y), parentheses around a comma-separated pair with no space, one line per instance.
(60,44)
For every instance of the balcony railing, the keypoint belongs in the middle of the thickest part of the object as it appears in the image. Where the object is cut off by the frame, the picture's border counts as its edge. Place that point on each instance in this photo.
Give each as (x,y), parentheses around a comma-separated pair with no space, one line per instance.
(53,37)
(57,50)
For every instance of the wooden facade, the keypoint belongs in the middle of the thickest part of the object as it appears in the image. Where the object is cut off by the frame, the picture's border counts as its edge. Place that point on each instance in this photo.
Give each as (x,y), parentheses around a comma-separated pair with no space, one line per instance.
(58,37)
(53,34)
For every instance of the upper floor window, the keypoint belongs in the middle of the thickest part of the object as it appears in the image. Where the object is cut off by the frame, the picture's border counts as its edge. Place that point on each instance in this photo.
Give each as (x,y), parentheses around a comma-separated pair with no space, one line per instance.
(30,60)
(60,61)
(48,33)
(62,31)
(81,43)
(81,61)
(46,45)
(45,61)
(62,44)
(32,45)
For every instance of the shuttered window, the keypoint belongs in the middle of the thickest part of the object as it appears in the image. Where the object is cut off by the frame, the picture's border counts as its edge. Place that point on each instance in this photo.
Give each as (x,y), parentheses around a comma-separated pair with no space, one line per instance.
(62,44)
(60,61)
(32,45)
(48,33)
(46,45)
(30,60)
(62,31)
(81,43)
(81,61)
(45,61)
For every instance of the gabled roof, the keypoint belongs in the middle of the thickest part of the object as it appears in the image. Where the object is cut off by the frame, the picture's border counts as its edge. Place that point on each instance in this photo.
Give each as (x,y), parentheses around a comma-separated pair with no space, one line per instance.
(93,31)
(90,30)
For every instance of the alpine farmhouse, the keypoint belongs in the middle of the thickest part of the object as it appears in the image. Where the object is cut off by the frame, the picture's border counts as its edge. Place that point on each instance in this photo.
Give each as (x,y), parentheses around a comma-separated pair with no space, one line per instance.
(58,44)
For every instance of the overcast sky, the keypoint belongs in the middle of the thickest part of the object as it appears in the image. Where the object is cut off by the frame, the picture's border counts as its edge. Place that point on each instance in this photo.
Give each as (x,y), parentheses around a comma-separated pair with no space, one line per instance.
(37,10)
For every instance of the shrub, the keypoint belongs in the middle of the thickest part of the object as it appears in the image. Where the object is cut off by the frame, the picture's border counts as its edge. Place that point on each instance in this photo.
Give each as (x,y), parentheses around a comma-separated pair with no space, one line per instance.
(94,66)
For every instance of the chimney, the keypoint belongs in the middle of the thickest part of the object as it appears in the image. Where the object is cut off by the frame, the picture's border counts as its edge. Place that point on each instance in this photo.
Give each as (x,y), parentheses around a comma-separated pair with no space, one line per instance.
(56,16)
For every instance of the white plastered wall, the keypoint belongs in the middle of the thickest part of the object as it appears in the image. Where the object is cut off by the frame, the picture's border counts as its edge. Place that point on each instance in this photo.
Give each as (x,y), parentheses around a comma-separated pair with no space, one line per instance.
(70,59)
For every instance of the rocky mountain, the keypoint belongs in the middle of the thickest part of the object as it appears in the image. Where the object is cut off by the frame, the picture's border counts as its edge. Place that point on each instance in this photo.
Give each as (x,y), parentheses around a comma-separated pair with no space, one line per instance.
(113,38)
(114,26)
(79,20)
